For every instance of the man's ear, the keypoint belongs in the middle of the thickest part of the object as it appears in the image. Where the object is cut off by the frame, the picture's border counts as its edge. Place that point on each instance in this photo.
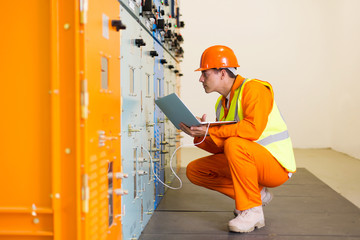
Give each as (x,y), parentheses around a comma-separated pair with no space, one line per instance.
(223,73)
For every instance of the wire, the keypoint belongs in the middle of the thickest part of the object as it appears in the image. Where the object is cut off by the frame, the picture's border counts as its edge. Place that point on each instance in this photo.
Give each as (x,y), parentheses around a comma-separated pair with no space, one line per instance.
(171,159)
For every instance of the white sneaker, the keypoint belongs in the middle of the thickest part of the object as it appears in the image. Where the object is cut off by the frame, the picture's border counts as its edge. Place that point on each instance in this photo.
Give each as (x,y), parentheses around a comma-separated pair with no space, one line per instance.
(248,220)
(266,197)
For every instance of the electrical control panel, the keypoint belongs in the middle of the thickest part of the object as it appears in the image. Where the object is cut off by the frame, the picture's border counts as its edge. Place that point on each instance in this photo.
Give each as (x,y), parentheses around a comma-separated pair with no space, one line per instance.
(63,175)
(150,54)
(105,146)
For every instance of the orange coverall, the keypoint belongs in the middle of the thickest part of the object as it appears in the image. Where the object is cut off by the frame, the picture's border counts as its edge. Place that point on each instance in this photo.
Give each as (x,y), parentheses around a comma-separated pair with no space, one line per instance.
(240,167)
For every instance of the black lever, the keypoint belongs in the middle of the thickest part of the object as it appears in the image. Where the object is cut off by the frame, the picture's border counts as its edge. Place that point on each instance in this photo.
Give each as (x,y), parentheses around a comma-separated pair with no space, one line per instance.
(139,42)
(118,25)
(154,54)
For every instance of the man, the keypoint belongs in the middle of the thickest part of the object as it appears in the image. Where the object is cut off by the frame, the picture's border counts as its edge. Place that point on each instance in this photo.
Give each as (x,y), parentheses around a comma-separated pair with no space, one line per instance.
(248,156)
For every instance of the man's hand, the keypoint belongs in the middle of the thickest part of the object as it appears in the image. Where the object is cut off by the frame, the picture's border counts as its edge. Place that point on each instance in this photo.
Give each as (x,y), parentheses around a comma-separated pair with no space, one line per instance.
(195,131)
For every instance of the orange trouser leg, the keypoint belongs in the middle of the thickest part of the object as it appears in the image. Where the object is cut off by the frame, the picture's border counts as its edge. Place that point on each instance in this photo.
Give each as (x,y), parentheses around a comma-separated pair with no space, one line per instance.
(240,172)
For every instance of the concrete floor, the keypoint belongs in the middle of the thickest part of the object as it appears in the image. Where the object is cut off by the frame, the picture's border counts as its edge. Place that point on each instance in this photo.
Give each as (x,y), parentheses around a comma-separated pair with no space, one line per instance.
(321,201)
(339,171)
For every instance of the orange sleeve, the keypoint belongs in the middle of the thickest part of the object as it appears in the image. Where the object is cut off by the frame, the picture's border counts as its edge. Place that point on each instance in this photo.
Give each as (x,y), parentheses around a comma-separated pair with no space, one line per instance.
(257,101)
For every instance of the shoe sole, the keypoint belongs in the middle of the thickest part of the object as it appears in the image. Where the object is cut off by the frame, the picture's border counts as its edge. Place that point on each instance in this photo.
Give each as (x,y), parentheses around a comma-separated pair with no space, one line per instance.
(238,230)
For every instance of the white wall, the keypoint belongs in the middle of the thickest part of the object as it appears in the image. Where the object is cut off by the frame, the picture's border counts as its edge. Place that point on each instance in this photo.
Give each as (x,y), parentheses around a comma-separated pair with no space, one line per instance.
(295,45)
(346,92)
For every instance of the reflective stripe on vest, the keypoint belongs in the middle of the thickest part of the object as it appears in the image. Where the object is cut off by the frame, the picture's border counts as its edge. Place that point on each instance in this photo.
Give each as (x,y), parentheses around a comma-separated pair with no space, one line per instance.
(275,137)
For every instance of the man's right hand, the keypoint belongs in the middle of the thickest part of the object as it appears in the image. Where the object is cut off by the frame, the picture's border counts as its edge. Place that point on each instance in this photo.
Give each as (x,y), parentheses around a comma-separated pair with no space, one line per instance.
(195,131)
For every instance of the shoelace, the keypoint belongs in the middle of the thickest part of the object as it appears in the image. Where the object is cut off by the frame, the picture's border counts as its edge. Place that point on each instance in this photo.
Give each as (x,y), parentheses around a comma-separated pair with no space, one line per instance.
(244,213)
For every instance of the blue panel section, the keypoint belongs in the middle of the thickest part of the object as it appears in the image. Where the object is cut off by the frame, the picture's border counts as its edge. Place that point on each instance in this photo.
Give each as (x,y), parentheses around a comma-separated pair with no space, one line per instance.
(158,120)
(147,129)
(130,125)
(158,115)
(145,76)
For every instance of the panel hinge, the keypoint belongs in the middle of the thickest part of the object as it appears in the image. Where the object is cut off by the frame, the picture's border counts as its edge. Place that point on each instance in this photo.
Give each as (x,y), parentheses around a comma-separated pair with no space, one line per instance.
(83,11)
(84,99)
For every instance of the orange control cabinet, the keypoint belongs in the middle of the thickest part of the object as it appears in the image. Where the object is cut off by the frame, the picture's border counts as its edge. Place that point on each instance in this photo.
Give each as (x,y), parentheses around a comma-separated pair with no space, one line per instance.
(60,164)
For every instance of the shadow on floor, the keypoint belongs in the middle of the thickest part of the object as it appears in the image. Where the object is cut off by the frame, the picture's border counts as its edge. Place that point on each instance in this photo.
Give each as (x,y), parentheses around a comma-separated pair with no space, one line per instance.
(302,208)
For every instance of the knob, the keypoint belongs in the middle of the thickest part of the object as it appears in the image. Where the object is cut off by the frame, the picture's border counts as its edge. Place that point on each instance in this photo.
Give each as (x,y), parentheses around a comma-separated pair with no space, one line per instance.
(154,54)
(176,71)
(163,61)
(180,38)
(139,42)
(118,25)
(168,34)
(120,191)
(175,44)
(180,50)
(171,66)
(182,24)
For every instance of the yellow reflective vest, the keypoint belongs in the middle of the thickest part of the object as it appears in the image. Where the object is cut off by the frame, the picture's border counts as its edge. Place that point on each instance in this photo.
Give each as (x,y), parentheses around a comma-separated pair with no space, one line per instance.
(275,137)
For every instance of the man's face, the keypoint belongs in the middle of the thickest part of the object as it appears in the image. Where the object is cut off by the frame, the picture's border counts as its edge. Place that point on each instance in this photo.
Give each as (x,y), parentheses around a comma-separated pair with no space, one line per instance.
(210,80)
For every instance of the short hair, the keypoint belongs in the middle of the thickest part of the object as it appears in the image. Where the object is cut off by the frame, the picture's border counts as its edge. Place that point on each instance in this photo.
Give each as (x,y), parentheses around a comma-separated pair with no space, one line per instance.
(230,73)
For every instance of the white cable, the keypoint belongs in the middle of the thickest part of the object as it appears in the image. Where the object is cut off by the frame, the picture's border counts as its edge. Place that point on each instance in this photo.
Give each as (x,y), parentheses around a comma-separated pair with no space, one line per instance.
(171,159)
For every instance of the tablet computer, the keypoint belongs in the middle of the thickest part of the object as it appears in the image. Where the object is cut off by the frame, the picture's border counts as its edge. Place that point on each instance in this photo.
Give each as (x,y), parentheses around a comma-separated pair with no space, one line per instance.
(177,112)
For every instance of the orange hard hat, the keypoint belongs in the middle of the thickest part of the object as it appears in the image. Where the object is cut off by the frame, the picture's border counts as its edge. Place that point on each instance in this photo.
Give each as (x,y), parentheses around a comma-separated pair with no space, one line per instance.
(218,57)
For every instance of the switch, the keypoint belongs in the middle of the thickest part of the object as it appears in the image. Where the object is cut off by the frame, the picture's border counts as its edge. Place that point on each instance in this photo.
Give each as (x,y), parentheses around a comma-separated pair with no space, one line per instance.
(142,172)
(118,25)
(141,160)
(154,149)
(154,54)
(168,34)
(155,160)
(120,175)
(180,51)
(120,191)
(139,42)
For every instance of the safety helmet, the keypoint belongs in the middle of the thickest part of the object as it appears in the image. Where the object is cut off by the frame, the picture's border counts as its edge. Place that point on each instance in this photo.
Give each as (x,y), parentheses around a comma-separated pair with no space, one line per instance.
(218,57)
